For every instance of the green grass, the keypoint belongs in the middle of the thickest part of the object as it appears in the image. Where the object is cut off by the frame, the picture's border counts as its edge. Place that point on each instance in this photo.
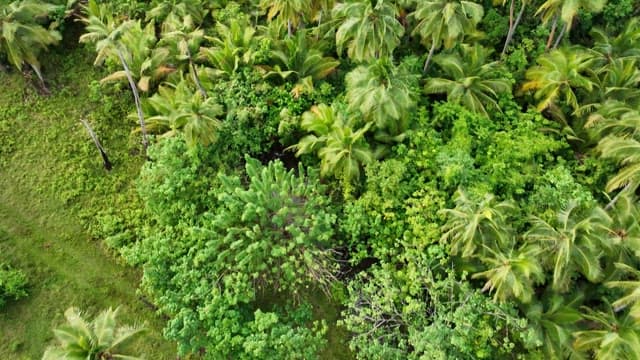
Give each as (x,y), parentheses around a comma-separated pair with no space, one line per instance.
(51,182)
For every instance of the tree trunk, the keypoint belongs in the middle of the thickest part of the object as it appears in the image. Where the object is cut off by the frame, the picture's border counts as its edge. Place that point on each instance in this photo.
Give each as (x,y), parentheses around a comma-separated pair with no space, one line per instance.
(513,25)
(196,78)
(562,32)
(426,63)
(136,98)
(290,28)
(39,74)
(105,159)
(553,31)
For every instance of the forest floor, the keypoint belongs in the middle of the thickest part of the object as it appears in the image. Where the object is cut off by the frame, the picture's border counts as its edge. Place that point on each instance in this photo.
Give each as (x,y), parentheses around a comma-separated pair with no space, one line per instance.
(41,202)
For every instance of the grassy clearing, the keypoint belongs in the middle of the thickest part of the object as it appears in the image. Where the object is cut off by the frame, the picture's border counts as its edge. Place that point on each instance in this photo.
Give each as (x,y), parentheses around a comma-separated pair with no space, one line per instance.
(50,180)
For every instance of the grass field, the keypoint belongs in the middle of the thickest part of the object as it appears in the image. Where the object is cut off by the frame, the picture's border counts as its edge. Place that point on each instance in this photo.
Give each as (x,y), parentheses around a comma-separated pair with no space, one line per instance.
(50,178)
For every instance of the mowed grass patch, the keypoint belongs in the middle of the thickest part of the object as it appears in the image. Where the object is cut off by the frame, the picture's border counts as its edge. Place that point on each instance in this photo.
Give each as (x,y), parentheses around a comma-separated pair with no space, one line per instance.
(51,186)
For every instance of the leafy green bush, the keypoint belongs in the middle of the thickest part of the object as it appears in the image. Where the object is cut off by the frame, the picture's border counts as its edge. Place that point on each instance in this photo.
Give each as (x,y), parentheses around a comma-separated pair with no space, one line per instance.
(13,284)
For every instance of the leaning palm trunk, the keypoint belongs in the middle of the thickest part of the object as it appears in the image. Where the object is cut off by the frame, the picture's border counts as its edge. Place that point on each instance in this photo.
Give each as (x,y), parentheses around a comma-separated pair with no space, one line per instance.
(41,78)
(562,32)
(553,32)
(136,97)
(105,159)
(426,63)
(513,24)
(196,78)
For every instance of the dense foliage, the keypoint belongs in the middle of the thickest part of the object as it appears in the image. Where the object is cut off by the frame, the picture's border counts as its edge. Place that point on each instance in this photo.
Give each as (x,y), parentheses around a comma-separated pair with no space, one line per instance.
(13,284)
(458,179)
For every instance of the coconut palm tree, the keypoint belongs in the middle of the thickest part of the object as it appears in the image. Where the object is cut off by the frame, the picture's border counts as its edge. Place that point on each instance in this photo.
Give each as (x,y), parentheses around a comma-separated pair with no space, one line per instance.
(107,34)
(553,319)
(181,36)
(337,140)
(573,244)
(469,79)
(622,46)
(99,339)
(22,37)
(370,30)
(626,152)
(445,22)
(472,224)
(234,46)
(197,10)
(384,93)
(565,11)
(558,76)
(302,60)
(176,108)
(290,11)
(631,299)
(609,337)
(512,274)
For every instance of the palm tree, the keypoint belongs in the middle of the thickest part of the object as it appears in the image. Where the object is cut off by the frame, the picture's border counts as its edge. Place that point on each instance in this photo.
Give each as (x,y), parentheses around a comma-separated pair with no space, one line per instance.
(575,244)
(183,38)
(626,152)
(623,46)
(232,47)
(176,108)
(100,339)
(566,11)
(512,275)
(107,34)
(296,59)
(384,93)
(341,146)
(470,224)
(22,36)
(197,10)
(619,80)
(291,11)
(609,337)
(370,29)
(469,79)
(553,320)
(632,297)
(445,22)
(559,74)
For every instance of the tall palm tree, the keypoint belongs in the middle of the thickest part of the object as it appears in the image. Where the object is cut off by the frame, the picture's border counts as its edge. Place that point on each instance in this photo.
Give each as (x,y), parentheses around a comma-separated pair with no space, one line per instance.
(291,11)
(176,108)
(99,339)
(625,45)
(609,337)
(445,22)
(181,35)
(22,36)
(553,319)
(469,79)
(558,76)
(470,224)
(626,152)
(370,29)
(233,46)
(339,144)
(565,11)
(103,30)
(301,59)
(197,10)
(574,244)
(384,93)
(632,287)
(512,274)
